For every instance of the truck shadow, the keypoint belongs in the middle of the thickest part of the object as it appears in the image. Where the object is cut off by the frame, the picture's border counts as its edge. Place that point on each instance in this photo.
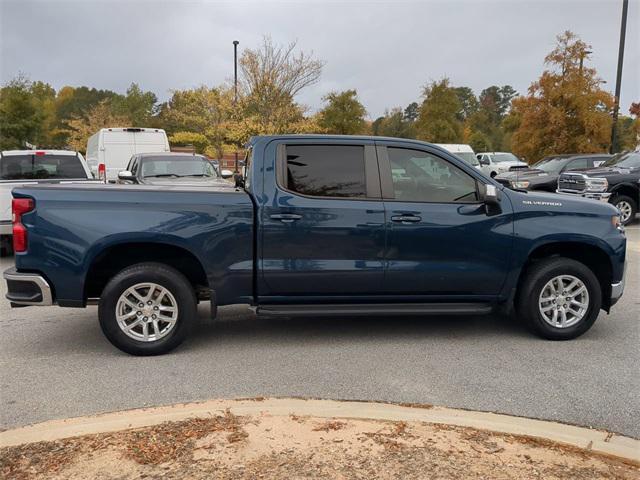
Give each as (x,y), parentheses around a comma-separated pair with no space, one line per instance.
(236,327)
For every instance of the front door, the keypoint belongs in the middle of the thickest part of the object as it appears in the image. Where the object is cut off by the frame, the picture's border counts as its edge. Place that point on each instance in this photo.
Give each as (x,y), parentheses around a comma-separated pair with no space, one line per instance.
(322,222)
(441,241)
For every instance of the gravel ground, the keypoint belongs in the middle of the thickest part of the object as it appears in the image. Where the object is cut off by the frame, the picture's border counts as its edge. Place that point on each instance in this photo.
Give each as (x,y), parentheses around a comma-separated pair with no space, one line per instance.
(55,363)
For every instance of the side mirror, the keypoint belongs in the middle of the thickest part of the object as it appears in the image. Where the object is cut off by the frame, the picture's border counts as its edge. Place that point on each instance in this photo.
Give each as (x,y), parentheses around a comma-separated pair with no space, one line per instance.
(484,161)
(126,176)
(489,194)
(226,173)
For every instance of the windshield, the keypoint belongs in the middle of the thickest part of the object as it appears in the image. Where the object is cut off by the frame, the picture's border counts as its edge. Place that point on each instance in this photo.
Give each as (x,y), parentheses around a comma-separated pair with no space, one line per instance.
(40,167)
(550,165)
(178,166)
(468,157)
(504,157)
(624,160)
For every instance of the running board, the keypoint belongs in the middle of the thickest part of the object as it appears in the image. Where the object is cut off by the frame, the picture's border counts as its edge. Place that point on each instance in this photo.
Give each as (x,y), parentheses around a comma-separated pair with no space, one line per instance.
(376,309)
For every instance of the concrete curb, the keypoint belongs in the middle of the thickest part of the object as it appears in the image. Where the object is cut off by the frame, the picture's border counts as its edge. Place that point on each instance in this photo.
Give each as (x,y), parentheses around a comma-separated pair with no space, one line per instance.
(594,440)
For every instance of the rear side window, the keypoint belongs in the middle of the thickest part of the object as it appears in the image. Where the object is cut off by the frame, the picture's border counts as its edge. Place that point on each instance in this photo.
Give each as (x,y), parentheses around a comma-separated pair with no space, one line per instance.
(326,170)
(579,163)
(40,167)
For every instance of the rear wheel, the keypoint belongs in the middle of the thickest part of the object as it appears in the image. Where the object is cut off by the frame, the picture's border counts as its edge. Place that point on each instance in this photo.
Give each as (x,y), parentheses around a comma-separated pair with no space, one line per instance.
(147,309)
(627,206)
(559,298)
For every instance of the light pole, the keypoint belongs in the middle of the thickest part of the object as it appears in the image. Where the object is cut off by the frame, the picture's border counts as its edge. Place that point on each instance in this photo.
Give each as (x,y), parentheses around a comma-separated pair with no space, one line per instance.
(235,88)
(616,105)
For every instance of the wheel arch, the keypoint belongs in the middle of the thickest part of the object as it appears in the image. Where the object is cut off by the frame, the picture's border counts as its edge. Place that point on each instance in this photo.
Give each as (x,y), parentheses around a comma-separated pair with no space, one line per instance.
(589,254)
(111,259)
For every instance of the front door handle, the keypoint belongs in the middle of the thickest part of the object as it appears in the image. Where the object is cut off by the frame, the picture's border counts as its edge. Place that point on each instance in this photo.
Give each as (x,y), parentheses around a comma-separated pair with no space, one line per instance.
(286,217)
(406,218)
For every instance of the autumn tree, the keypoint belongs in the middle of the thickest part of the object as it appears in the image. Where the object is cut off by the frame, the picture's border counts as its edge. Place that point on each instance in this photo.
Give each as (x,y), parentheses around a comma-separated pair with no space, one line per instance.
(270,78)
(438,119)
(565,110)
(343,114)
(396,123)
(81,127)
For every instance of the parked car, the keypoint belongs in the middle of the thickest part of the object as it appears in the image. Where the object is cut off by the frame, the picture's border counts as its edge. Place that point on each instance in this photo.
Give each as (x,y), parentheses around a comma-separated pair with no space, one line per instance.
(494,163)
(544,174)
(616,181)
(109,150)
(465,152)
(322,227)
(30,167)
(173,169)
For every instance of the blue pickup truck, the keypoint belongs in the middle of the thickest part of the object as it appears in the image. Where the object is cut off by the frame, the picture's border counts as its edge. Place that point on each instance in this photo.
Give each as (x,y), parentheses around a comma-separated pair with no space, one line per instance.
(319,225)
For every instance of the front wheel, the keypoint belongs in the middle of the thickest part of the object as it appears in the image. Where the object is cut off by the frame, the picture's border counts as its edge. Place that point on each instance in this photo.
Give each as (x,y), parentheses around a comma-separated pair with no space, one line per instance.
(627,207)
(147,309)
(559,298)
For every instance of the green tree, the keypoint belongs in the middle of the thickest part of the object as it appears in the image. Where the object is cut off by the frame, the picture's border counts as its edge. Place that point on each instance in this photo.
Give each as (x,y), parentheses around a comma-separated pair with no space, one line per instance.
(480,142)
(394,123)
(137,106)
(438,120)
(411,112)
(566,110)
(344,114)
(468,102)
(26,113)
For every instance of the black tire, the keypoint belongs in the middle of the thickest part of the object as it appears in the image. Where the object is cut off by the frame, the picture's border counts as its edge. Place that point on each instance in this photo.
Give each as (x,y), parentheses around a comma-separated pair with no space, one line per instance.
(532,285)
(493,174)
(162,275)
(617,199)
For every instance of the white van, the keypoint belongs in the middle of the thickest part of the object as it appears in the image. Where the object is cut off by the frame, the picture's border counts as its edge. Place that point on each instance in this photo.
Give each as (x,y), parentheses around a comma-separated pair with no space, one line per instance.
(110,149)
(465,152)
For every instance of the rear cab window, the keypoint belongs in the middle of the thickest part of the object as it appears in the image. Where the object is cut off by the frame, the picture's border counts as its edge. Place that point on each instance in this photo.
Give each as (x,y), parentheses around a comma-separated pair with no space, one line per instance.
(41,167)
(325,170)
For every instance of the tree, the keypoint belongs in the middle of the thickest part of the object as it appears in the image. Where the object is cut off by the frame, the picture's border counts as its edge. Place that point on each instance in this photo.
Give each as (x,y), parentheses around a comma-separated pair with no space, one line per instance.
(27,113)
(344,114)
(480,142)
(565,111)
(468,102)
(138,106)
(80,128)
(394,123)
(438,120)
(270,78)
(411,112)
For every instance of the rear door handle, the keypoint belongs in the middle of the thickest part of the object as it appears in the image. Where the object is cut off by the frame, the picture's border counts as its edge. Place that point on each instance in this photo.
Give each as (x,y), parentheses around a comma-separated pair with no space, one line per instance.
(406,218)
(286,217)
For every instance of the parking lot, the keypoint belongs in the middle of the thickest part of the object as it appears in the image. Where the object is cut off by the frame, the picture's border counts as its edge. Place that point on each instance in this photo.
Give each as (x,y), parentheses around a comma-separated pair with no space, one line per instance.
(56,363)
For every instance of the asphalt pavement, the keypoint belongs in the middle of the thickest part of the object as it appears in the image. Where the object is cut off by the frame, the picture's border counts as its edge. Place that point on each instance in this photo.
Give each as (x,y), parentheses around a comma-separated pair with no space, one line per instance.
(55,363)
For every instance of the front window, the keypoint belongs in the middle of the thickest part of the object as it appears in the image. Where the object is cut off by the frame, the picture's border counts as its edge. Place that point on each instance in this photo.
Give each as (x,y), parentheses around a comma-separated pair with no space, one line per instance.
(550,165)
(40,167)
(177,167)
(624,160)
(421,177)
(504,157)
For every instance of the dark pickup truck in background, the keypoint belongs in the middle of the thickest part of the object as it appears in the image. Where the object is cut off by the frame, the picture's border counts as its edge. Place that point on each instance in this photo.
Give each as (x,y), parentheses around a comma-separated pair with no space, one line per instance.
(616,181)
(321,225)
(543,175)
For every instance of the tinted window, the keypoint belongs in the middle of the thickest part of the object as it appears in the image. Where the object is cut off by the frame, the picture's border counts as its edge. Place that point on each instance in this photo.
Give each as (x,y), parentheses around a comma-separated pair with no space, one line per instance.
(421,177)
(624,160)
(505,157)
(19,167)
(579,163)
(326,170)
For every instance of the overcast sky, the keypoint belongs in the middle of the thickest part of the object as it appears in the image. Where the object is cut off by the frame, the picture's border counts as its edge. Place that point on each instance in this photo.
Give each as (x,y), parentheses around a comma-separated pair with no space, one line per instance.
(386,50)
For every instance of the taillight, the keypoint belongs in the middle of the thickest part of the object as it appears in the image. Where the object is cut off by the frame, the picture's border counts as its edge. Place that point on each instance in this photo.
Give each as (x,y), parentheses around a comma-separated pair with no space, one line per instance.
(102,172)
(20,206)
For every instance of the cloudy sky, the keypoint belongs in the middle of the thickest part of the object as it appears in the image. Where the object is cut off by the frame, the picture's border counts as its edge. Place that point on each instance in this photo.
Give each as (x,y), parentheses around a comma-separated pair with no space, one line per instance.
(386,50)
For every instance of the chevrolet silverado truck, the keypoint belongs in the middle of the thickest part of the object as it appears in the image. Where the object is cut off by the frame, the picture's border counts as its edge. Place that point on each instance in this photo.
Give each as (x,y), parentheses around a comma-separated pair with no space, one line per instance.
(320,225)
(616,181)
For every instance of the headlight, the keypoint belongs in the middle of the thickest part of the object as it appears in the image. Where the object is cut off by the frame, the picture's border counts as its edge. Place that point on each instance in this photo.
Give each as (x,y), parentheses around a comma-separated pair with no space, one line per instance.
(596,184)
(615,221)
(520,184)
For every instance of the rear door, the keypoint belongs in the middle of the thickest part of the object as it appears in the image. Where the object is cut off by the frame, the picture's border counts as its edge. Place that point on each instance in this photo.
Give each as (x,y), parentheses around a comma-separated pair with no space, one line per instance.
(322,223)
(441,241)
(118,146)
